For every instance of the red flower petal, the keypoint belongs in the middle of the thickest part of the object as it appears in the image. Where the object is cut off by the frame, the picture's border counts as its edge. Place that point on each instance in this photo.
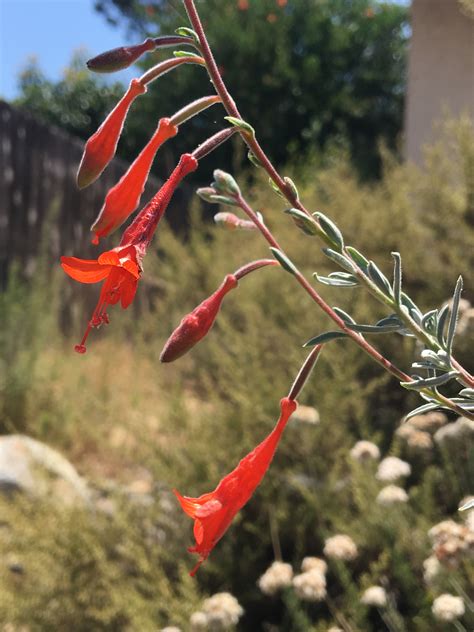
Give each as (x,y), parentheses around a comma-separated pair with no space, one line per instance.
(84,270)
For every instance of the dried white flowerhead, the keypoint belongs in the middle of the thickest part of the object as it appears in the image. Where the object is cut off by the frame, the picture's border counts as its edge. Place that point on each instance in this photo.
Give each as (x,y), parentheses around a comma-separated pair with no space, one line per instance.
(420,440)
(462,428)
(222,611)
(310,563)
(391,494)
(447,607)
(431,569)
(429,422)
(305,415)
(365,451)
(375,596)
(198,621)
(444,531)
(340,547)
(276,577)
(310,586)
(171,628)
(392,468)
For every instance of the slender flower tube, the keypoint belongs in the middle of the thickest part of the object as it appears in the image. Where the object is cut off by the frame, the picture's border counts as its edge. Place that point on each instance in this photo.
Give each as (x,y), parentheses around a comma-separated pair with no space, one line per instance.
(124,197)
(101,146)
(213,512)
(195,325)
(120,268)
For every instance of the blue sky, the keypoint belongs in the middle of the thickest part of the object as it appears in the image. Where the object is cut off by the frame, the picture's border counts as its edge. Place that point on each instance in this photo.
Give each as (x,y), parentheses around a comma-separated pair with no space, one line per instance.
(49,30)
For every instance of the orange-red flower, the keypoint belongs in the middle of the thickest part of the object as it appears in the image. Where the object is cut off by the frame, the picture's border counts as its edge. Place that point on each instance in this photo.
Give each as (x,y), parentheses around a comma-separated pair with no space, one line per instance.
(101,146)
(125,196)
(119,268)
(213,513)
(195,325)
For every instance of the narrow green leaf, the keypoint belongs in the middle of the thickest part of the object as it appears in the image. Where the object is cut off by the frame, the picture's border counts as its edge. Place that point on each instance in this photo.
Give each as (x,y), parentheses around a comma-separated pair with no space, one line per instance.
(341,260)
(468,505)
(326,337)
(358,258)
(412,307)
(429,382)
(429,321)
(242,125)
(344,315)
(331,230)
(421,410)
(380,280)
(397,277)
(442,319)
(467,392)
(254,160)
(184,53)
(292,186)
(374,329)
(335,282)
(389,320)
(186,32)
(275,188)
(304,223)
(454,316)
(283,260)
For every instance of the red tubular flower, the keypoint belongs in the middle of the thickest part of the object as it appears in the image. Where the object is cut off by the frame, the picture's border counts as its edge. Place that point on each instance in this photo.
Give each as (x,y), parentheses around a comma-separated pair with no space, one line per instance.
(213,513)
(101,146)
(125,196)
(120,268)
(195,325)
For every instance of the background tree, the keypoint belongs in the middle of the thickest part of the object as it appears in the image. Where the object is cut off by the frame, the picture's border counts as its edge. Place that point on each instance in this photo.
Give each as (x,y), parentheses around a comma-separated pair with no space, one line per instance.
(307,75)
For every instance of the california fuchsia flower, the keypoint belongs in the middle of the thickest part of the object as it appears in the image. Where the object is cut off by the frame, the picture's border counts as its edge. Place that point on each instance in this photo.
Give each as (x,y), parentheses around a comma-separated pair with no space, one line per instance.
(120,268)
(213,512)
(101,146)
(124,197)
(195,325)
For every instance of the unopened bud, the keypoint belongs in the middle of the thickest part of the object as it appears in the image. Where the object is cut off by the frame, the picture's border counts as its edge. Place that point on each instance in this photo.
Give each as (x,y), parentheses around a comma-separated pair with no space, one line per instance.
(195,325)
(232,222)
(120,58)
(225,183)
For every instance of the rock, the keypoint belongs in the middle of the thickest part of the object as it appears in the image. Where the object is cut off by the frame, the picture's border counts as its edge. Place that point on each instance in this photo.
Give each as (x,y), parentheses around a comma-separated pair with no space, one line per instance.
(29,466)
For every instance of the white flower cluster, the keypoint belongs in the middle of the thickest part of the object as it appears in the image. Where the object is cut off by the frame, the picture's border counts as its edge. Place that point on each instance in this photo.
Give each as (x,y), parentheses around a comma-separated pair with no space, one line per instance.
(447,607)
(365,451)
(171,628)
(276,577)
(312,563)
(219,612)
(392,468)
(340,547)
(451,541)
(305,415)
(417,431)
(391,494)
(374,596)
(310,586)
(461,429)
(431,569)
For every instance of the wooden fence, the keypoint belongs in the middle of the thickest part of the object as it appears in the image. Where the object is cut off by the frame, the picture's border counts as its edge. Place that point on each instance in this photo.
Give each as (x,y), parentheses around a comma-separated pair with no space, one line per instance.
(41,209)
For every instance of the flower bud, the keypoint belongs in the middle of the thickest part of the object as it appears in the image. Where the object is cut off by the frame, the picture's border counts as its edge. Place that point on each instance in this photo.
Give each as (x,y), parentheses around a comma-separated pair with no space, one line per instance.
(119,58)
(101,146)
(232,222)
(225,183)
(195,325)
(125,196)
